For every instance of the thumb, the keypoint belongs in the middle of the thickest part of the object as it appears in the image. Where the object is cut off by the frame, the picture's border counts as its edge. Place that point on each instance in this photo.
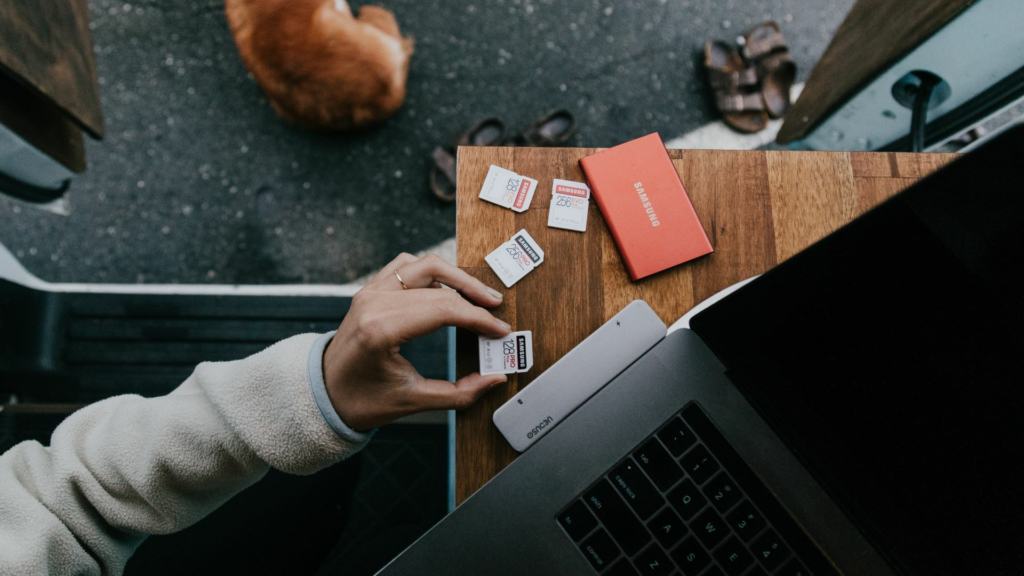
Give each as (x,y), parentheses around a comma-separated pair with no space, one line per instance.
(463,393)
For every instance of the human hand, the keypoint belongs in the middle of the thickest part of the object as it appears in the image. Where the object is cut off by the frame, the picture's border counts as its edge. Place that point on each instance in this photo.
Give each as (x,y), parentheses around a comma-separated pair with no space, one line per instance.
(368,381)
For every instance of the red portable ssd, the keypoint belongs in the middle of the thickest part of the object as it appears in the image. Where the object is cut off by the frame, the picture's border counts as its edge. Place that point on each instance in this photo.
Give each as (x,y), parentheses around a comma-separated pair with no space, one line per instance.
(645,205)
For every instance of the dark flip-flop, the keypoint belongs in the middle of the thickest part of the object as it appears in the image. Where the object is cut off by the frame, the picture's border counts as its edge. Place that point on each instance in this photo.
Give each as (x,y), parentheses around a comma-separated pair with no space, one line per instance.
(764,47)
(553,129)
(487,132)
(735,87)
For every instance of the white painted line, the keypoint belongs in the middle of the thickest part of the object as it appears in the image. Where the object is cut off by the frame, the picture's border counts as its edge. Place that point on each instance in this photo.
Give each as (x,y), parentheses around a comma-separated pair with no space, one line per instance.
(13,271)
(717,135)
(339,290)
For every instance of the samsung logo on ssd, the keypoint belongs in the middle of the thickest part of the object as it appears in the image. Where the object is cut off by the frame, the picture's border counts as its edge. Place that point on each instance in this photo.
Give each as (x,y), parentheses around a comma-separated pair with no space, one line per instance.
(645,201)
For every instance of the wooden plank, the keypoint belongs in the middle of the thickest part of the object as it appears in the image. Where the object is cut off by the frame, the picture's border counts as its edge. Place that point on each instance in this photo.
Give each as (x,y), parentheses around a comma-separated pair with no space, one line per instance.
(730,193)
(917,165)
(41,123)
(874,35)
(873,165)
(758,208)
(618,290)
(812,194)
(47,45)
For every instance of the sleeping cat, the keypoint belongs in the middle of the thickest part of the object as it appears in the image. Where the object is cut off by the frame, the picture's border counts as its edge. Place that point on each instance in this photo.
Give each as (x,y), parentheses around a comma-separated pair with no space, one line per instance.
(320,66)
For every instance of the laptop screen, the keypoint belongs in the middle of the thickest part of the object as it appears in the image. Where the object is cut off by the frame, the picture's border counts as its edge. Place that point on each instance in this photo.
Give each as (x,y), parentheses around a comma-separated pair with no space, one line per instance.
(890,358)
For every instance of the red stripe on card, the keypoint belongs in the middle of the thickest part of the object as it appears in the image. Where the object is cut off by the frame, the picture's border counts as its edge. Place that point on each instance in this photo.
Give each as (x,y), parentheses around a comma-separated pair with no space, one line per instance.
(570,191)
(524,187)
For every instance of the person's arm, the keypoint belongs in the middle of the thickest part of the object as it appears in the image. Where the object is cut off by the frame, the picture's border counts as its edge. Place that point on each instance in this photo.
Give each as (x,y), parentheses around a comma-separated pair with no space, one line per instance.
(128,466)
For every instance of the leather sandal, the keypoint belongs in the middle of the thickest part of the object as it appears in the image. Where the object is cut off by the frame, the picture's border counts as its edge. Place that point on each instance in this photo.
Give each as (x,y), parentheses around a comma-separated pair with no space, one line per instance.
(735,87)
(554,129)
(487,132)
(764,48)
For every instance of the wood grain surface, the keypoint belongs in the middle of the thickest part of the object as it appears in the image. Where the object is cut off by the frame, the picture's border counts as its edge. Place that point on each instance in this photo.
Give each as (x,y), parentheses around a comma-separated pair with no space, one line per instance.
(41,123)
(874,35)
(48,46)
(757,207)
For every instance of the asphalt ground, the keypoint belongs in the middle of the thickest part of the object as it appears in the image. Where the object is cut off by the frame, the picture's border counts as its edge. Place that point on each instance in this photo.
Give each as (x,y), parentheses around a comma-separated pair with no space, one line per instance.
(198,181)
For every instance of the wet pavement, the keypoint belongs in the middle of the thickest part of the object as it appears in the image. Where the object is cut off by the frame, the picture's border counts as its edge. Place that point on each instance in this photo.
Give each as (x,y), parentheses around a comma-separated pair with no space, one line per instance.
(198,181)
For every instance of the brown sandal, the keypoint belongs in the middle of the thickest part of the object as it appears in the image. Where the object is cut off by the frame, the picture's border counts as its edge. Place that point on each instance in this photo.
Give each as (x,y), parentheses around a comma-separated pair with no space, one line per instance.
(442,175)
(554,129)
(487,132)
(764,48)
(735,87)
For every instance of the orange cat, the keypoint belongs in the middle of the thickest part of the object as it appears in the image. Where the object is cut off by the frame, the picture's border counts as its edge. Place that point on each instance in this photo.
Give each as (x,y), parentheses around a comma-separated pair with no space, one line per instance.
(320,66)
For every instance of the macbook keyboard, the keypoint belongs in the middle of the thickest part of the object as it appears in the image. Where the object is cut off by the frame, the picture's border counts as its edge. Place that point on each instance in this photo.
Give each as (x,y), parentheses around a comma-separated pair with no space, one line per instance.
(684,502)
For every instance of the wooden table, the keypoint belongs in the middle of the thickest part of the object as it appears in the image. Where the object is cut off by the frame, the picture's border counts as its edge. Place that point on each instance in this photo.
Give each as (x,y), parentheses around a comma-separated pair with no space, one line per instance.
(48,87)
(758,209)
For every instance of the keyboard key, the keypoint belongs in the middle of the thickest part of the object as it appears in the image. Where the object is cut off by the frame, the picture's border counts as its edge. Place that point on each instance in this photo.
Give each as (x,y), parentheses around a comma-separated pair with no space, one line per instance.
(733,557)
(636,489)
(745,521)
(768,508)
(769,550)
(667,527)
(653,562)
(699,464)
(756,571)
(606,504)
(690,557)
(722,492)
(622,568)
(714,571)
(710,528)
(677,437)
(793,568)
(658,464)
(687,499)
(577,521)
(600,550)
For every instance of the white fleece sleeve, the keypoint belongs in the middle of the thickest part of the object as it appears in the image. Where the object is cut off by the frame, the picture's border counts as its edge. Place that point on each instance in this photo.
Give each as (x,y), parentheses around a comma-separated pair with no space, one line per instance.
(128,466)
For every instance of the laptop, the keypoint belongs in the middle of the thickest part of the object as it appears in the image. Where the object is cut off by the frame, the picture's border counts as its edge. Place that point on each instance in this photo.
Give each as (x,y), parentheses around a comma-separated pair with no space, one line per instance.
(858,409)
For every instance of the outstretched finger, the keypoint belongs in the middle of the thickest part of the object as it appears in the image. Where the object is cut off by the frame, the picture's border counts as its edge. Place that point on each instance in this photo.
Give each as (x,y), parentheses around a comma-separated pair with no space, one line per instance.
(429,270)
(424,310)
(459,395)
